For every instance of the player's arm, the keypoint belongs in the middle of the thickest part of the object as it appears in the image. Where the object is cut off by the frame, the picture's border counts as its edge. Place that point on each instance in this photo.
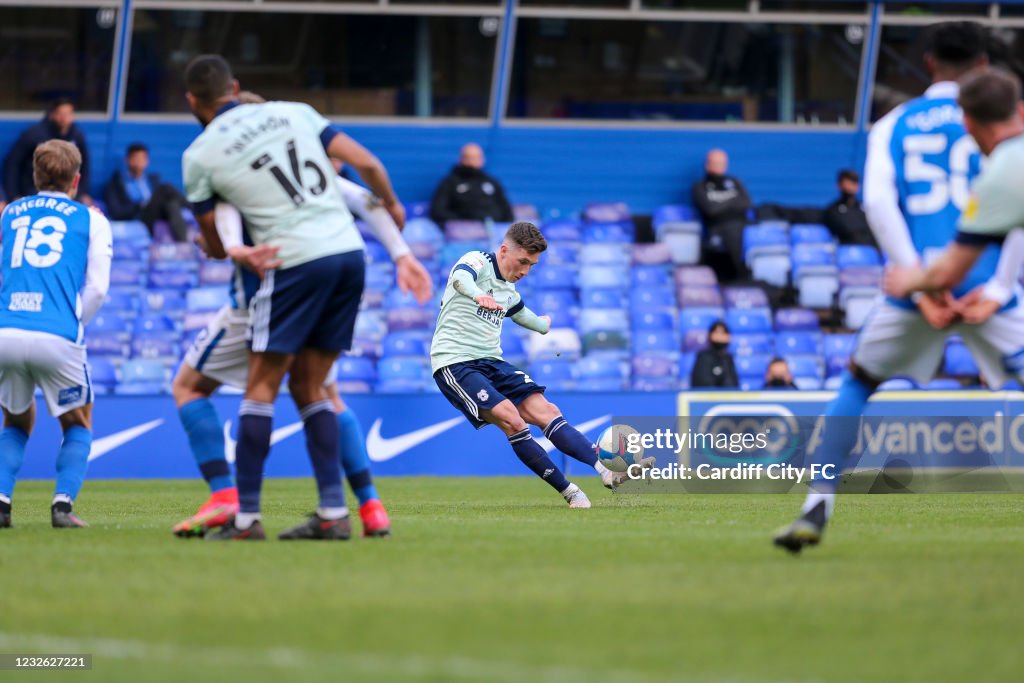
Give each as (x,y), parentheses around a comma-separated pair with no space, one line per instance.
(228,226)
(97,268)
(524,317)
(881,198)
(199,191)
(463,279)
(369,168)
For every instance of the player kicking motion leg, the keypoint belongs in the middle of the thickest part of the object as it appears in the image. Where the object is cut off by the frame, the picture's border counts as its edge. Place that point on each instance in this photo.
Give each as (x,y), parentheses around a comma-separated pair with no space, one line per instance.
(271,162)
(465,357)
(56,271)
(919,165)
(220,356)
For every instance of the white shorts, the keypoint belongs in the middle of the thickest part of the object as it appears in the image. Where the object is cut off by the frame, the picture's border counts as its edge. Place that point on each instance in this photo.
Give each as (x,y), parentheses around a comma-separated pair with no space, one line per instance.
(38,359)
(221,351)
(899,342)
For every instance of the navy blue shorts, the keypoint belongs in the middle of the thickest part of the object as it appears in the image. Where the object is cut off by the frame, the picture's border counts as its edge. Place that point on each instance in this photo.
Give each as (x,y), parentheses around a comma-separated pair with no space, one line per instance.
(309,306)
(482,384)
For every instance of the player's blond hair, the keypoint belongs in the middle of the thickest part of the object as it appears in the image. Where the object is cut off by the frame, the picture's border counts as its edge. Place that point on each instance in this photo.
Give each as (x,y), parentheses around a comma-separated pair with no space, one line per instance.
(55,163)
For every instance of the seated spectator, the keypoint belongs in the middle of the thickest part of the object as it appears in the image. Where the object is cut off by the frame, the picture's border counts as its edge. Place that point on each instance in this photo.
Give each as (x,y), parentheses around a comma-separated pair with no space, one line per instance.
(723,202)
(844,217)
(469,193)
(58,123)
(714,366)
(778,375)
(134,195)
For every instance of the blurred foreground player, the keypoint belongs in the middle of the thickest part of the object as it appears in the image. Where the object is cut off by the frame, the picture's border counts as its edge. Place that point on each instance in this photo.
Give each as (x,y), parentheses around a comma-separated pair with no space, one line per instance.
(271,162)
(465,357)
(56,271)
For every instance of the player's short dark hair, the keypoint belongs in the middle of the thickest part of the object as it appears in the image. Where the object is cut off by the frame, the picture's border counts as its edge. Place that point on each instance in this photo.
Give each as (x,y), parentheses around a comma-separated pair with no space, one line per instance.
(136,147)
(848,174)
(54,165)
(526,235)
(958,44)
(209,78)
(990,96)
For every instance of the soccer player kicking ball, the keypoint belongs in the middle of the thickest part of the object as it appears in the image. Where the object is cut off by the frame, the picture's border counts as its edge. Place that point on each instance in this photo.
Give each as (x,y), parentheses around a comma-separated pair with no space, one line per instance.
(56,271)
(465,357)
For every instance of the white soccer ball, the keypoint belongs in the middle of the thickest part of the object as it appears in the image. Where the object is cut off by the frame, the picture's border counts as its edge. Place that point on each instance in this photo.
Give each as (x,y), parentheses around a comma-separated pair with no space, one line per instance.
(616,450)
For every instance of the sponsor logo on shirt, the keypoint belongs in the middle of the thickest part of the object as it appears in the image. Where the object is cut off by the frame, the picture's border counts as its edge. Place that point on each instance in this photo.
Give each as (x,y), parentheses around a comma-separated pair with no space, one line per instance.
(31,302)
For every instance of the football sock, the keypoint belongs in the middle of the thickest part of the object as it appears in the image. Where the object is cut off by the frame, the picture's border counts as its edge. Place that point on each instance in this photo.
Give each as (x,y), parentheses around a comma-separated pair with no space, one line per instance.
(73,460)
(206,439)
(255,421)
(570,441)
(354,458)
(321,426)
(534,457)
(244,520)
(332,513)
(842,424)
(12,454)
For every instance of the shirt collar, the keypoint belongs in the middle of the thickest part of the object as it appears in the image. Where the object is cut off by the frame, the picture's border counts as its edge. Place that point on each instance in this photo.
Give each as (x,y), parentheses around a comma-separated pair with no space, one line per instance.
(943,90)
(494,262)
(48,193)
(227,107)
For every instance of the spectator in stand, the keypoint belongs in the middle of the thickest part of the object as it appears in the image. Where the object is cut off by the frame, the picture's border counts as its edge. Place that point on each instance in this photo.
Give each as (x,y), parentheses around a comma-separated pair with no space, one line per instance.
(778,375)
(57,124)
(469,193)
(723,202)
(132,194)
(714,366)
(845,217)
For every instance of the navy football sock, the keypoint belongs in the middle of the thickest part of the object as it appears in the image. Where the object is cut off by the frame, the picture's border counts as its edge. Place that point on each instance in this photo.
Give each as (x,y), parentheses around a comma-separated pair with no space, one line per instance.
(255,421)
(570,441)
(321,426)
(534,457)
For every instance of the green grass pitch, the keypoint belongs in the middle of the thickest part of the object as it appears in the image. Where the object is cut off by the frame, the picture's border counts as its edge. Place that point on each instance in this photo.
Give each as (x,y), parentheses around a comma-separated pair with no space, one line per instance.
(496,580)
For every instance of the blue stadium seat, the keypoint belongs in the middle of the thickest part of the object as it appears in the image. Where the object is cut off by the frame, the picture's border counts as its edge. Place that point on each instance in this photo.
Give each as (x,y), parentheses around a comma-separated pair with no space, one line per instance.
(399,375)
(365,347)
(651,276)
(698,297)
(701,276)
(599,366)
(109,323)
(216,273)
(839,344)
(601,297)
(171,279)
(652,254)
(426,252)
(787,343)
(422,229)
(553,278)
(401,344)
(667,383)
(606,212)
(371,325)
(157,346)
(958,361)
(410,319)
(695,340)
(655,297)
(553,300)
(396,298)
(796,319)
(656,364)
(380,279)
(601,384)
(123,302)
(562,341)
(647,341)
(943,384)
(751,383)
(102,374)
(207,298)
(135,232)
(175,252)
(897,384)
(603,319)
(152,324)
(374,252)
(113,344)
(561,254)
(126,274)
(564,230)
(356,369)
(512,348)
(465,231)
(614,233)
(127,251)
(746,344)
(753,365)
(417,210)
(525,212)
(836,365)
(857,255)
(146,372)
(193,321)
(745,297)
(748,320)
(815,275)
(859,290)
(699,318)
(810,233)
(545,371)
(766,252)
(662,321)
(674,213)
(804,365)
(170,302)
(603,254)
(614,277)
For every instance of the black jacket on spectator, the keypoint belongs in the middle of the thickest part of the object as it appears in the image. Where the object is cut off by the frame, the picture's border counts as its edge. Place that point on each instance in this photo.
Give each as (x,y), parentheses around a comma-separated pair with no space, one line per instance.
(714,368)
(18,165)
(120,207)
(846,220)
(722,202)
(469,193)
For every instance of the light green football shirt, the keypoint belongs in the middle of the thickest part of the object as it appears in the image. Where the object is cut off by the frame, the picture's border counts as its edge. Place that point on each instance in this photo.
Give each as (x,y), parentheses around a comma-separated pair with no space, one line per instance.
(996,205)
(464,330)
(268,160)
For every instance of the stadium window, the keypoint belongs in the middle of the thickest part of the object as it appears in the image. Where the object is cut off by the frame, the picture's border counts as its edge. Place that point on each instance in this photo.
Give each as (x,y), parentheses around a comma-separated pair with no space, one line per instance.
(584,4)
(344,65)
(829,6)
(49,53)
(978,9)
(716,5)
(685,71)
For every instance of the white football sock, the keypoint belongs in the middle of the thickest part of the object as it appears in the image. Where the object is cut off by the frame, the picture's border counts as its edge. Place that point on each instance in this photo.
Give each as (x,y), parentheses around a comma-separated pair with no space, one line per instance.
(815,497)
(5,499)
(332,513)
(62,498)
(244,520)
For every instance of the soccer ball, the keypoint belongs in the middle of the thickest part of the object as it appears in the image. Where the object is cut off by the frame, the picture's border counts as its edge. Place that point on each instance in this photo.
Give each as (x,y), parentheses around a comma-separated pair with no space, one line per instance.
(613,450)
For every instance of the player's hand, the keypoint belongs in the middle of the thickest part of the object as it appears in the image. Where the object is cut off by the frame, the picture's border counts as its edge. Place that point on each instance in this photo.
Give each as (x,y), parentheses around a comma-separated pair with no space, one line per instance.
(974,308)
(487,302)
(258,259)
(397,211)
(546,318)
(201,243)
(939,311)
(899,281)
(413,277)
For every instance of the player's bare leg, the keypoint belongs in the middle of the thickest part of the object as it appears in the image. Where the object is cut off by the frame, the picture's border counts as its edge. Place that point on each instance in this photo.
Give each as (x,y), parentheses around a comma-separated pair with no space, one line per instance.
(192,391)
(306,383)
(17,429)
(355,463)
(507,418)
(72,461)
